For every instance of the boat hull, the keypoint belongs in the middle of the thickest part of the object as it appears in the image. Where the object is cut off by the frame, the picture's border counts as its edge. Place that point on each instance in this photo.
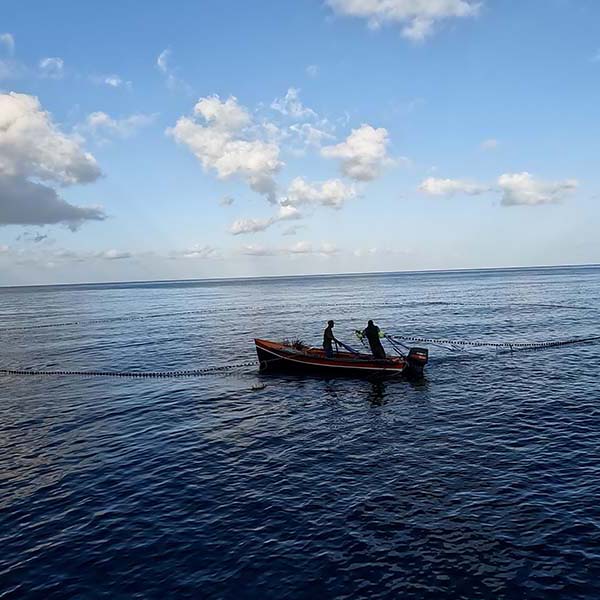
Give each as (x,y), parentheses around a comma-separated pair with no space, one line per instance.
(274,356)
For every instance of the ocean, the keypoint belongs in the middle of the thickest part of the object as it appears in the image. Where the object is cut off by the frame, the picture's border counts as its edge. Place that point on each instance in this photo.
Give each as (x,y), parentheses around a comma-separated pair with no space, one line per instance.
(480,481)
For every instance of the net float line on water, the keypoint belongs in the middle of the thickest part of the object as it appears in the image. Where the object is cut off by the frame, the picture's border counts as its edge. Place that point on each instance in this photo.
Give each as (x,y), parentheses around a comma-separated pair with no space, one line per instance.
(225,369)
(134,374)
(480,344)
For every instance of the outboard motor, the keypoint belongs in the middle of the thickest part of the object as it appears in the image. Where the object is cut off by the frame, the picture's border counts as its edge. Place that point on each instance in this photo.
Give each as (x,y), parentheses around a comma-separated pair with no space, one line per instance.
(416,360)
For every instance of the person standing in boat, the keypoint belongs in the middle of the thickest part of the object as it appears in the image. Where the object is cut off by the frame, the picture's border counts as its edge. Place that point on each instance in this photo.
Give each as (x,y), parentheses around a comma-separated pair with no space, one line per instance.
(372,334)
(328,339)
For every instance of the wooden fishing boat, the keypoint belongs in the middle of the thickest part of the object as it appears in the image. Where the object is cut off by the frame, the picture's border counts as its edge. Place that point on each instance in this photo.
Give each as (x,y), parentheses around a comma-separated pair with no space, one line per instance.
(298,358)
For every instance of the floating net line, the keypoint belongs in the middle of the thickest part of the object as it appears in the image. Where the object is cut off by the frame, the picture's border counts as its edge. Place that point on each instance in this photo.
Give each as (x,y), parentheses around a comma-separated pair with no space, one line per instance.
(136,374)
(459,344)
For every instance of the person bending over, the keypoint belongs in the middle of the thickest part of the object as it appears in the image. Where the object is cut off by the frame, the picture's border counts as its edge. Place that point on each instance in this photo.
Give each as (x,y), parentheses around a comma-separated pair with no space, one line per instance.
(372,334)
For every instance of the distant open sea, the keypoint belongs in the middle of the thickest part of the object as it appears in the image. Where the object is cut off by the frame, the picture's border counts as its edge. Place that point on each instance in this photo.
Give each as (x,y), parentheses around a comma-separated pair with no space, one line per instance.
(481,481)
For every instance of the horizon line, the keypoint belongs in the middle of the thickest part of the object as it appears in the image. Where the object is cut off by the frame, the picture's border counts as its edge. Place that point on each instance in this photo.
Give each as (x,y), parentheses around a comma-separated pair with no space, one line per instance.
(298,276)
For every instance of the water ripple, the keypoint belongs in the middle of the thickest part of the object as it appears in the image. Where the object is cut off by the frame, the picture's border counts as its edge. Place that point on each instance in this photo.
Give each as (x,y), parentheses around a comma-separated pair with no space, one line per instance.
(479,482)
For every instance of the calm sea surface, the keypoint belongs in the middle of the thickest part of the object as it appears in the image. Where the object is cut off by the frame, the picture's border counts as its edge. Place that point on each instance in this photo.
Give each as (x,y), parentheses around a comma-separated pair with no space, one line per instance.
(481,481)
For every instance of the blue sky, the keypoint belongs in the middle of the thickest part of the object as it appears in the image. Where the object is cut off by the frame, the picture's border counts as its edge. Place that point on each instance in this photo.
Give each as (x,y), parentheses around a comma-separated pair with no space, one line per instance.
(227,138)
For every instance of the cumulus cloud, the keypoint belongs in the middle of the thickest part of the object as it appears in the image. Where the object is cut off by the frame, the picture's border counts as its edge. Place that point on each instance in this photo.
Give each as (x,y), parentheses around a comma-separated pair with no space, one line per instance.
(516,189)
(416,18)
(24,202)
(224,142)
(245,226)
(524,189)
(333,193)
(291,106)
(32,146)
(433,186)
(242,226)
(52,67)
(363,154)
(32,151)
(8,41)
(100,123)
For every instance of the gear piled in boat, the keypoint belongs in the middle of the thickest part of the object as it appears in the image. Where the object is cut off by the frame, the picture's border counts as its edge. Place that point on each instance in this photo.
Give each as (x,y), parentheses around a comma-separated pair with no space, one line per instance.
(299,358)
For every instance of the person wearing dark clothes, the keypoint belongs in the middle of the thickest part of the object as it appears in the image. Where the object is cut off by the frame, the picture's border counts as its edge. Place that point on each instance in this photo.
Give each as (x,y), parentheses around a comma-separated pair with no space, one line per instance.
(372,334)
(328,339)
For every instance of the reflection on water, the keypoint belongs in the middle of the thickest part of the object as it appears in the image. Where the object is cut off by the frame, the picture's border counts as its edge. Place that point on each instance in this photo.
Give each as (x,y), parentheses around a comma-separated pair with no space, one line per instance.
(479,481)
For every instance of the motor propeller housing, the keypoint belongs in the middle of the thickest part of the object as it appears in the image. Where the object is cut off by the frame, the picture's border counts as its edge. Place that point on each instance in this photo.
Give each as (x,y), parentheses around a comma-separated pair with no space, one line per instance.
(416,360)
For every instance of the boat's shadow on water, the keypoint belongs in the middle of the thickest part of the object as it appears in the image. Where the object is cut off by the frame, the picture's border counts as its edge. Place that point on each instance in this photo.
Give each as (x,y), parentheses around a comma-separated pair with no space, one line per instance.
(376,391)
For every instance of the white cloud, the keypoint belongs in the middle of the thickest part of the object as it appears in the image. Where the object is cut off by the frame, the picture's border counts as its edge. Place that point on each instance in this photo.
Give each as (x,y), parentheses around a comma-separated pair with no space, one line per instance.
(162,61)
(34,150)
(32,146)
(114,81)
(333,193)
(52,67)
(312,70)
(363,154)
(291,106)
(490,144)
(523,188)
(324,249)
(8,41)
(200,251)
(362,252)
(226,116)
(300,248)
(101,123)
(516,189)
(49,257)
(173,82)
(258,250)
(288,213)
(417,18)
(433,186)
(311,135)
(114,255)
(227,144)
(245,226)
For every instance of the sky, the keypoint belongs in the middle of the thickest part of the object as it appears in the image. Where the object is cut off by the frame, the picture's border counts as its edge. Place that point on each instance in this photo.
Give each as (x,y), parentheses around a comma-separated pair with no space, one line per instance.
(227,138)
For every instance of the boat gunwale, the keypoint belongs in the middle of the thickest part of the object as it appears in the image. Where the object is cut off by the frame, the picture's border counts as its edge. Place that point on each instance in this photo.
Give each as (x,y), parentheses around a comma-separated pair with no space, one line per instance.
(286,353)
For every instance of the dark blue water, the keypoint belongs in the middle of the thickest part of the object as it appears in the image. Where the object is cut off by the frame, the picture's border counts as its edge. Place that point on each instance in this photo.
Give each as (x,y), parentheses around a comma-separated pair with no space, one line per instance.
(482,481)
